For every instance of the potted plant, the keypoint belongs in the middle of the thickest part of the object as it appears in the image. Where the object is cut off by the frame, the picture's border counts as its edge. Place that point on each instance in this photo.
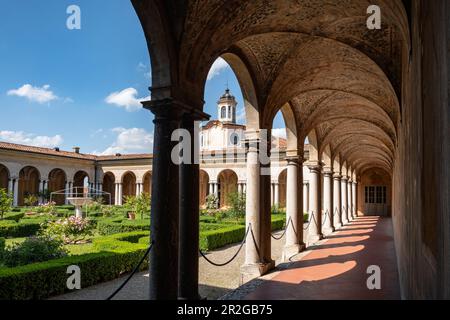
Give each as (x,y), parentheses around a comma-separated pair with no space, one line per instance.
(130,205)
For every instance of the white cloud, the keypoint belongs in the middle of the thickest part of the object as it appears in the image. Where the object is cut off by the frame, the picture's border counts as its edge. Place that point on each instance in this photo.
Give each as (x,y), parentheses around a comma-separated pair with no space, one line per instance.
(218,66)
(30,139)
(279,133)
(132,140)
(127,98)
(35,94)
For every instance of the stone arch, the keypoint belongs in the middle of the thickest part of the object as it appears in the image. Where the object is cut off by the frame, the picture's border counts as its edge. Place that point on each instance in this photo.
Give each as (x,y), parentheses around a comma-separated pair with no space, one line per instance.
(128,184)
(108,184)
(282,185)
(29,178)
(375,192)
(246,83)
(203,187)
(57,183)
(147,182)
(227,184)
(80,182)
(4,177)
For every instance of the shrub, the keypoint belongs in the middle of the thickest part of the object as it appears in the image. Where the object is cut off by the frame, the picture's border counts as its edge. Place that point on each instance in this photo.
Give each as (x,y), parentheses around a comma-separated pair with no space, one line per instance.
(24,228)
(6,201)
(140,205)
(237,202)
(278,223)
(212,239)
(30,200)
(45,279)
(46,208)
(212,202)
(16,216)
(33,249)
(119,225)
(71,230)
(2,247)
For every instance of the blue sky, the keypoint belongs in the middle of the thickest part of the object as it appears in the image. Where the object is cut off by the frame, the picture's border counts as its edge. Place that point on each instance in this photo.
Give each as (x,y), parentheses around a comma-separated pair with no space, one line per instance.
(65,88)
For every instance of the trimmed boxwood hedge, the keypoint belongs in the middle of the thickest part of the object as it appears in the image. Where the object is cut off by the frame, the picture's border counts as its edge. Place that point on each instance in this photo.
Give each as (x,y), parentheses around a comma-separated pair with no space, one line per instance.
(2,247)
(24,228)
(16,216)
(118,254)
(120,225)
(229,234)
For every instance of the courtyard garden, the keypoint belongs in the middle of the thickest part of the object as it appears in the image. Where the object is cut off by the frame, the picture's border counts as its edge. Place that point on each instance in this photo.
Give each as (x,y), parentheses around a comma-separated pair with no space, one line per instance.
(39,242)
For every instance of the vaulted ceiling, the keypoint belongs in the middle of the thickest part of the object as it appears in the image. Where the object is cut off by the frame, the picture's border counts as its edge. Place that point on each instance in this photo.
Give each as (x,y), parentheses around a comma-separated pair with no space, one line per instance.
(340,79)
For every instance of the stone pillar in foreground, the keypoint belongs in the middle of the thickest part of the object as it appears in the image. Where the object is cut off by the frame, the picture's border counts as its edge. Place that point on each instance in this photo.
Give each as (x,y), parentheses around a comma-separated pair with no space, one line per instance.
(337,210)
(328,202)
(254,265)
(294,213)
(315,204)
(305,196)
(164,231)
(344,197)
(189,212)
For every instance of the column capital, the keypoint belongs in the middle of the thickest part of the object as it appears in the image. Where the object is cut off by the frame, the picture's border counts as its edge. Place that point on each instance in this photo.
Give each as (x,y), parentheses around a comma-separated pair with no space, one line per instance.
(337,176)
(294,159)
(328,172)
(172,109)
(315,167)
(344,178)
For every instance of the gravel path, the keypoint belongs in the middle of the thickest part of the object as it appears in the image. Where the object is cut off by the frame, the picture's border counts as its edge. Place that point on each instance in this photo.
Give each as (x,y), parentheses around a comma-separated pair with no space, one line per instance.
(214,282)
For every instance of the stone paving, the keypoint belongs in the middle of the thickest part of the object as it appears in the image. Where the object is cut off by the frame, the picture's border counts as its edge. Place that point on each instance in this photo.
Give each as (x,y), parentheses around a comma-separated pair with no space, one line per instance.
(215,282)
(335,268)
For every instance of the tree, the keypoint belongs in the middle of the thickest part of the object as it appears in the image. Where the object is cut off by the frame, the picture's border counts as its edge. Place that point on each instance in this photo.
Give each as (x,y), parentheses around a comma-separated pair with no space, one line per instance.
(237,202)
(30,200)
(6,201)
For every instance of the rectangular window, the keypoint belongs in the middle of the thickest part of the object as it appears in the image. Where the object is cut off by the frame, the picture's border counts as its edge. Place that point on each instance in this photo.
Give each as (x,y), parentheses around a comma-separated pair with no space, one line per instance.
(375,194)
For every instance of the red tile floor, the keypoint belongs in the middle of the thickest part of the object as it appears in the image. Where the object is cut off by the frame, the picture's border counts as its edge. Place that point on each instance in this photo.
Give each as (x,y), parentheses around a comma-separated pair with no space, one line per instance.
(337,267)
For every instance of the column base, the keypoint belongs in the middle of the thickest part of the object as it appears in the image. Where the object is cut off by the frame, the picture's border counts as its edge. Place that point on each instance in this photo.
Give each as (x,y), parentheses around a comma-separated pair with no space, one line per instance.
(253,271)
(314,238)
(292,250)
(337,226)
(328,230)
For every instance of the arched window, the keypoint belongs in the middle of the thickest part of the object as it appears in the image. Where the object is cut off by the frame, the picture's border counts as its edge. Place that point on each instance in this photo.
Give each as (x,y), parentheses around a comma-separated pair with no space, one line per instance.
(202,141)
(223,112)
(229,112)
(234,139)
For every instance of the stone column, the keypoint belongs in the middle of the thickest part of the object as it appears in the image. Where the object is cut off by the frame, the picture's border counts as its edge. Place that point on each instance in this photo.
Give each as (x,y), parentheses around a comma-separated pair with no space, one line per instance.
(337,211)
(349,200)
(138,189)
(272,194)
(355,199)
(189,214)
(41,190)
(305,196)
(211,188)
(294,216)
(10,186)
(277,194)
(165,201)
(328,202)
(116,194)
(66,192)
(254,265)
(315,213)
(16,192)
(240,189)
(344,197)
(252,208)
(120,194)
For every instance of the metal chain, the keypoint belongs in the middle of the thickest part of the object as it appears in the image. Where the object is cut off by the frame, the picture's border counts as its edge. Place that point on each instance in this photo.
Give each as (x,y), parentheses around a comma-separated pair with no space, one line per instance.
(310,220)
(136,269)
(285,230)
(234,256)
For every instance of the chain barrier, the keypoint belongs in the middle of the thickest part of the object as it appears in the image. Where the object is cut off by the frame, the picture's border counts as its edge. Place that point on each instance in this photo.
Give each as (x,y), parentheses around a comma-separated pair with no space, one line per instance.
(136,269)
(285,230)
(234,256)
(311,218)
